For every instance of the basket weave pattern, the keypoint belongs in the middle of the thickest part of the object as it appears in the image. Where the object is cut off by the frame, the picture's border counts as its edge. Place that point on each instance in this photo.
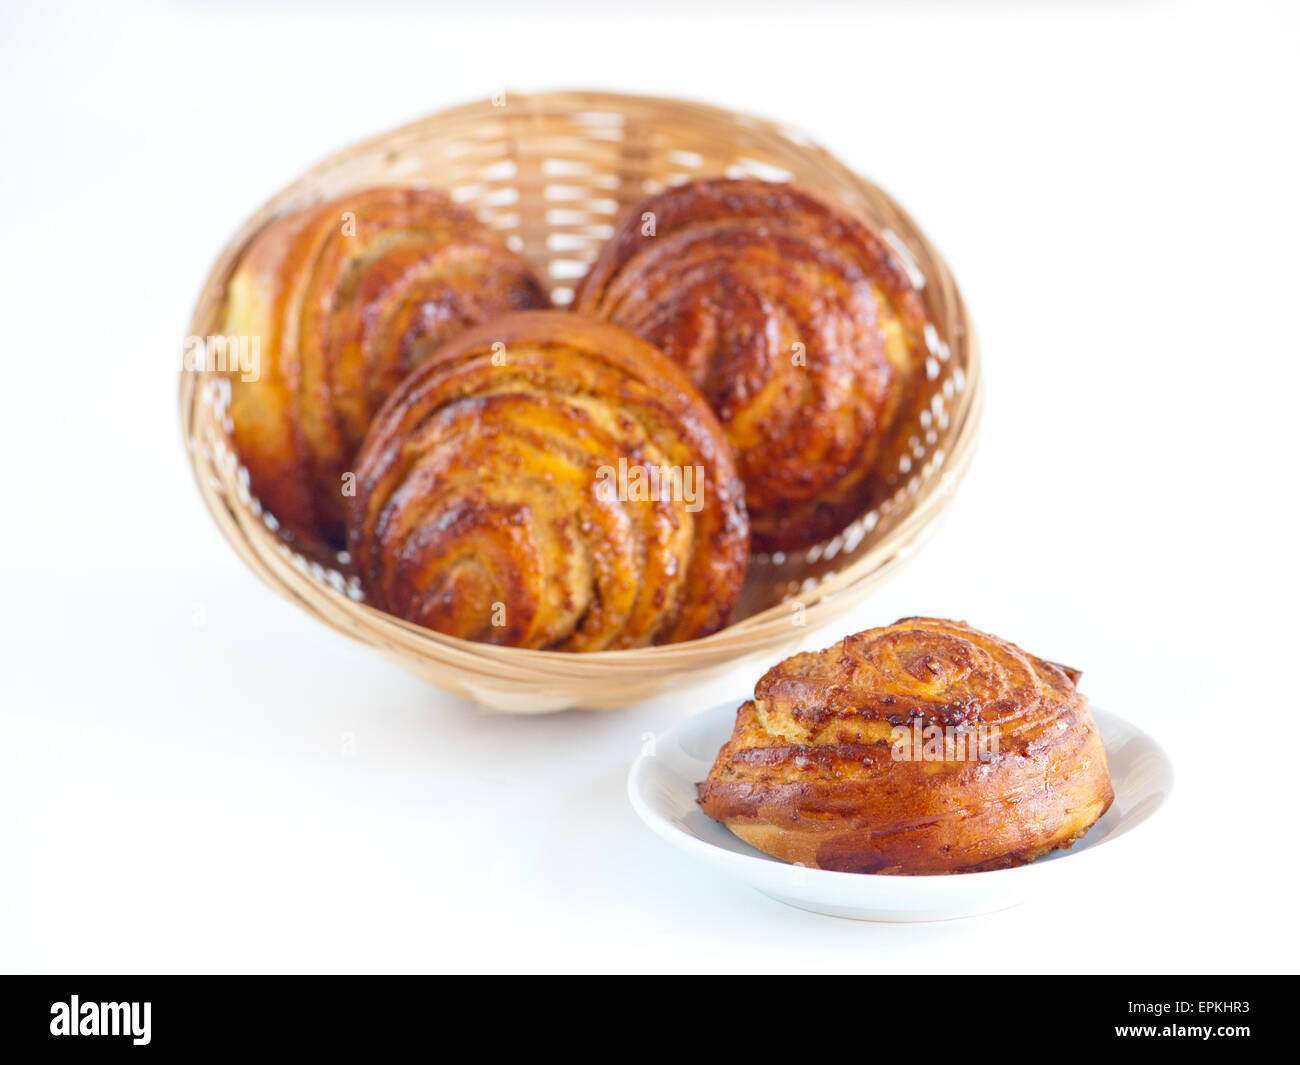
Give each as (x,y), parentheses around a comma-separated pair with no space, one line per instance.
(555,171)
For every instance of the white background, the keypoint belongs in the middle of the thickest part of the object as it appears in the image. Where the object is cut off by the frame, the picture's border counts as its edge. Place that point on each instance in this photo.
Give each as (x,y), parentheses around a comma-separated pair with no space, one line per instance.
(1114,186)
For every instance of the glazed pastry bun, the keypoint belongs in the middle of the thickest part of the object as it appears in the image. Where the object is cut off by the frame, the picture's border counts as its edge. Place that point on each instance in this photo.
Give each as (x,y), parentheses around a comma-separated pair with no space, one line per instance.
(345,298)
(922,747)
(796,320)
(550,482)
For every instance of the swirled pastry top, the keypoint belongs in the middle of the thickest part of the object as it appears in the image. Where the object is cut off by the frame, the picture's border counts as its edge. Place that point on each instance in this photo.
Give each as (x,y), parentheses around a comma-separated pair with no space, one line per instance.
(795,319)
(548,481)
(344,299)
(924,746)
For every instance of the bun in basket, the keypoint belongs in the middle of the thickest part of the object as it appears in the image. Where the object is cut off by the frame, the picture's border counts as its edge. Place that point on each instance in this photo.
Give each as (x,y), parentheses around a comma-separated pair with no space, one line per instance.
(796,320)
(550,482)
(344,299)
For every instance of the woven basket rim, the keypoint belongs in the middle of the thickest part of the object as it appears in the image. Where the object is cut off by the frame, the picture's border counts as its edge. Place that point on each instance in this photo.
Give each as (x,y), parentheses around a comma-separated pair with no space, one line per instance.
(769,627)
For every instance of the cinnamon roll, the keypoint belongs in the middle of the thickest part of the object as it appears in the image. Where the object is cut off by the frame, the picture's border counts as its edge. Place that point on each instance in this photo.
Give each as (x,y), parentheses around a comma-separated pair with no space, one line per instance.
(925,746)
(343,299)
(550,482)
(796,320)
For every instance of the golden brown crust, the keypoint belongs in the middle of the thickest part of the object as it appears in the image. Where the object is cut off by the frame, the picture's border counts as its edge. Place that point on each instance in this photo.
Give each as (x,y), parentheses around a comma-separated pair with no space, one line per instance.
(345,298)
(797,322)
(811,772)
(489,503)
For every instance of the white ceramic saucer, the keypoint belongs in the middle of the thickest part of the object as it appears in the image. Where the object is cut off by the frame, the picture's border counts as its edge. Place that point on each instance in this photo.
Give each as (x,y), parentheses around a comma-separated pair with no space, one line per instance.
(661,786)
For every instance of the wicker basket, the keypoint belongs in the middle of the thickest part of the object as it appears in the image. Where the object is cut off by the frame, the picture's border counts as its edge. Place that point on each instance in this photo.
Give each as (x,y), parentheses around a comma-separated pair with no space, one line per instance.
(555,171)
